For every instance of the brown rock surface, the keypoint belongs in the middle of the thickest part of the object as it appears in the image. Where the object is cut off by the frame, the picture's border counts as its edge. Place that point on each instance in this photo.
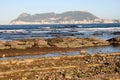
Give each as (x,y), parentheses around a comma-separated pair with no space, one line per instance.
(76,42)
(80,67)
(54,42)
(3,45)
(41,43)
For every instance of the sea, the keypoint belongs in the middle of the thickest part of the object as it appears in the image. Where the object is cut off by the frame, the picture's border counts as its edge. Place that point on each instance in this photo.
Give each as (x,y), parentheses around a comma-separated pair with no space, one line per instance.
(100,31)
(103,31)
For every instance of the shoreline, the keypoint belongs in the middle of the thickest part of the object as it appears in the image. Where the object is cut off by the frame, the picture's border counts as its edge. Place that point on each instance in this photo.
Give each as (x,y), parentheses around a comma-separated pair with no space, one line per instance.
(39,46)
(24,47)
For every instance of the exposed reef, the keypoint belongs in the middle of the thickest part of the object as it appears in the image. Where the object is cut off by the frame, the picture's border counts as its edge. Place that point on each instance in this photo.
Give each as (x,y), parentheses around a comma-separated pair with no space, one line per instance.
(55,42)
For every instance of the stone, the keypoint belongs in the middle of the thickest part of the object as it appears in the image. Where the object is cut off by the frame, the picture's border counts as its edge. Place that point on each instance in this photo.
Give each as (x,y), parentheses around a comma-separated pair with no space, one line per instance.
(83,52)
(3,56)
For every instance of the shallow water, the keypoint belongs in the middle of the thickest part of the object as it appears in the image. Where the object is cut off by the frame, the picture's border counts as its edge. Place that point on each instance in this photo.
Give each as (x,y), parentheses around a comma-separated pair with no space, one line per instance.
(89,50)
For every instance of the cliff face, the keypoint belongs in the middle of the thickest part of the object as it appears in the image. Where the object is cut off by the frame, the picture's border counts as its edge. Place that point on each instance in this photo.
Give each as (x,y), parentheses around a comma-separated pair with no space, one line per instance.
(70,17)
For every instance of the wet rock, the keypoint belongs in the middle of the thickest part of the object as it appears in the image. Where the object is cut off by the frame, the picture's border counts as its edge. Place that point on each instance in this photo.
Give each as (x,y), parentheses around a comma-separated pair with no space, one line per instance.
(116,33)
(115,41)
(97,33)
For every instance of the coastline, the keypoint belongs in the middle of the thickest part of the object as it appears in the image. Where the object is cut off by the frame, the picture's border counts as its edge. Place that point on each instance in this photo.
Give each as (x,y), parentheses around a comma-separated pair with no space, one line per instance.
(24,47)
(83,66)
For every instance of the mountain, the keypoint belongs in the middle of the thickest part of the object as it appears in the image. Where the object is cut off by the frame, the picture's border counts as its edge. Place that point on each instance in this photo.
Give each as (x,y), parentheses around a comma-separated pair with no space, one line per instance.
(70,17)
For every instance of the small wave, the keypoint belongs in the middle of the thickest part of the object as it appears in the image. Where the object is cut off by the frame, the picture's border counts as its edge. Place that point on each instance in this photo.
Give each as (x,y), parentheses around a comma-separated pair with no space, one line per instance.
(40,31)
(13,31)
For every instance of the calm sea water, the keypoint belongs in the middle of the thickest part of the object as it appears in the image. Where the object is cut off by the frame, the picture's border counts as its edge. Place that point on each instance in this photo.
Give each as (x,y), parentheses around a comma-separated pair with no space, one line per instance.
(102,31)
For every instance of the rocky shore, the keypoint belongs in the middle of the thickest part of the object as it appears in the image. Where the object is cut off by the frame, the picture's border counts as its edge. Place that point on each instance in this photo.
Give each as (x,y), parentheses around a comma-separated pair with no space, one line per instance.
(82,67)
(24,47)
(55,42)
(42,46)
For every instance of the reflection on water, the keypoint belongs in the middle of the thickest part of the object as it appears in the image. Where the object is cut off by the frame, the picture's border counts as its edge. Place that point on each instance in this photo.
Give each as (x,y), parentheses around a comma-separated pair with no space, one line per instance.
(89,50)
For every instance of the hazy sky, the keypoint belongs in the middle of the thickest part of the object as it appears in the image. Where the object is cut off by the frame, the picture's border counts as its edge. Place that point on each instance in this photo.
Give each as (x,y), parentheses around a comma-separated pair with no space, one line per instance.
(10,9)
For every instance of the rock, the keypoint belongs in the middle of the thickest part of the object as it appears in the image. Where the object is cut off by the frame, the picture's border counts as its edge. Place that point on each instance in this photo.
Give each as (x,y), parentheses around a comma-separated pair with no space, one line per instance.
(3,45)
(70,42)
(76,42)
(41,43)
(117,69)
(68,75)
(115,41)
(83,52)
(17,44)
(3,56)
(29,44)
(24,78)
(116,33)
(118,64)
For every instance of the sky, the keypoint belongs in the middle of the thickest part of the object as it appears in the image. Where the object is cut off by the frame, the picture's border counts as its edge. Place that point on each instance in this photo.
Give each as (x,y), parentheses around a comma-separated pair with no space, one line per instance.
(105,9)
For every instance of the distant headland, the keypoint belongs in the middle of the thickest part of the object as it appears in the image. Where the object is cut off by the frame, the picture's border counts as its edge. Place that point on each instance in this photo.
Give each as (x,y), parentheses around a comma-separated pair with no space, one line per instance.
(70,17)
